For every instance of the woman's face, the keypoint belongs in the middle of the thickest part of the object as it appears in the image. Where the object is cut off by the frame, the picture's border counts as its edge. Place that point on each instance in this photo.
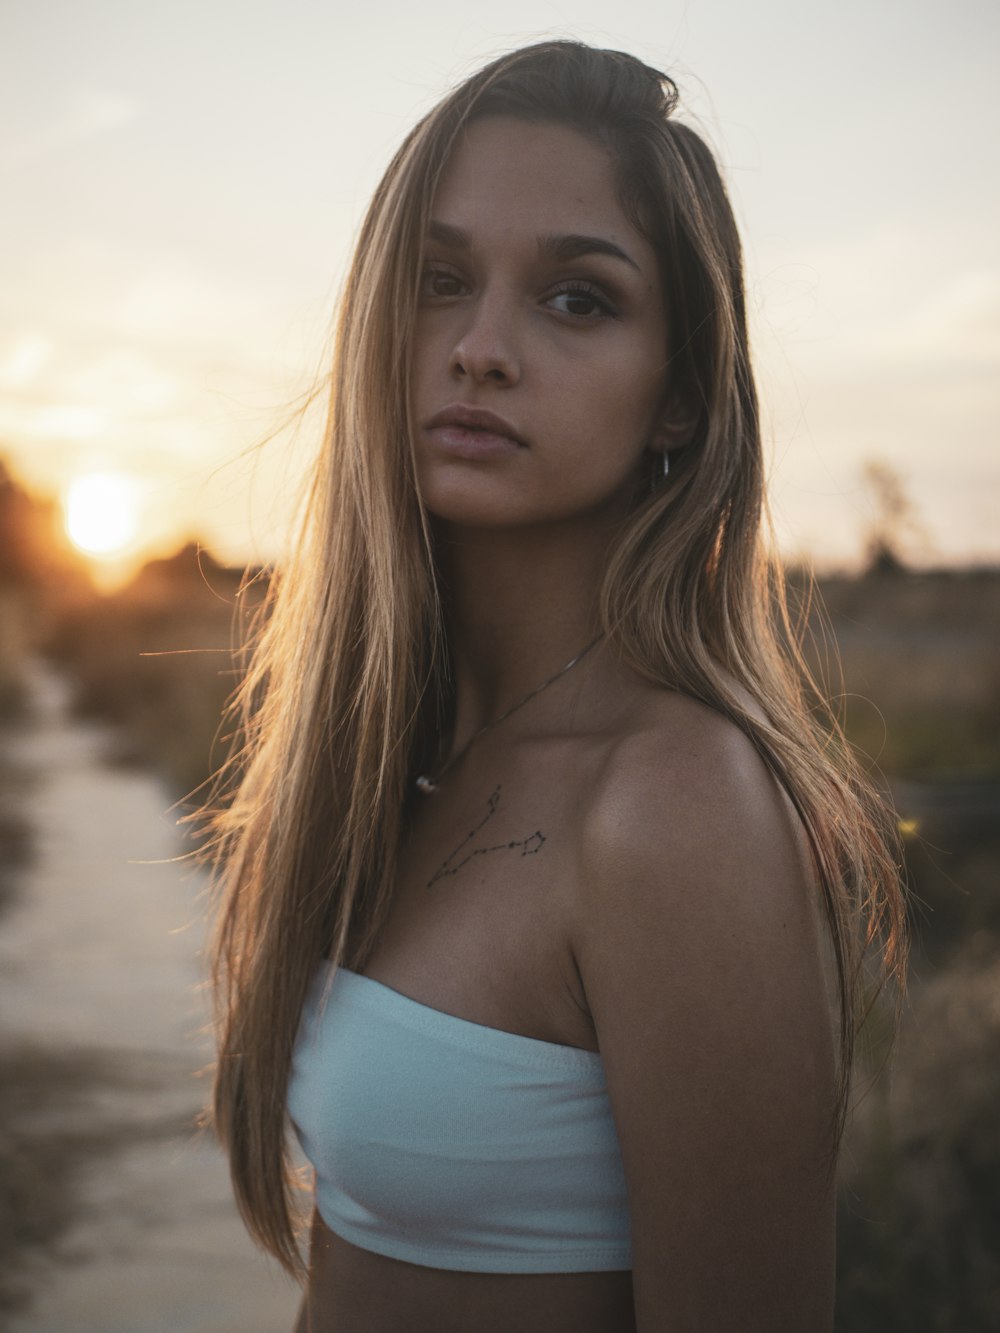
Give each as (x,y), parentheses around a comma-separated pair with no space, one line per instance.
(539,356)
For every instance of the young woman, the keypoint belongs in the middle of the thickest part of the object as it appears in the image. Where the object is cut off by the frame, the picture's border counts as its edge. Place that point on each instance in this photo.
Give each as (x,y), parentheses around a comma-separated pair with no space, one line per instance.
(546,890)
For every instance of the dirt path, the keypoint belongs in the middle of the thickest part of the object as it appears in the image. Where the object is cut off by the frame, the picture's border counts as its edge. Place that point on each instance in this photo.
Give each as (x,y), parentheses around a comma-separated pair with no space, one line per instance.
(125,1222)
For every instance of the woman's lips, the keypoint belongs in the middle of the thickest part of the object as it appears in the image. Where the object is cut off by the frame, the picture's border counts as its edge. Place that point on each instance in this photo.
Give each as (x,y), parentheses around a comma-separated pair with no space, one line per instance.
(464,442)
(465,431)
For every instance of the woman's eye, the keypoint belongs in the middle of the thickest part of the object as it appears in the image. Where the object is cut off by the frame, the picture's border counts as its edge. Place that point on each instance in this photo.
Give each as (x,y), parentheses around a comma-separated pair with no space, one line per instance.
(583,302)
(439,282)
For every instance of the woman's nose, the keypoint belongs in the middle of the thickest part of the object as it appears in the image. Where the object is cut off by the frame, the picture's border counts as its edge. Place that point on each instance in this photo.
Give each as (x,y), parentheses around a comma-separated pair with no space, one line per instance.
(485,348)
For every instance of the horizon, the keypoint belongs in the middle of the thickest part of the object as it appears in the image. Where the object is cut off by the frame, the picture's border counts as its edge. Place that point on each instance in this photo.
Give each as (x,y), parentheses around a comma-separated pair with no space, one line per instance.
(117,571)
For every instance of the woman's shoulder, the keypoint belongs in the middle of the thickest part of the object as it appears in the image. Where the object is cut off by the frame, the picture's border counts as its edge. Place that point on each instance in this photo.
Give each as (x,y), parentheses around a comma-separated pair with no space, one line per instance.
(683,797)
(672,744)
(698,949)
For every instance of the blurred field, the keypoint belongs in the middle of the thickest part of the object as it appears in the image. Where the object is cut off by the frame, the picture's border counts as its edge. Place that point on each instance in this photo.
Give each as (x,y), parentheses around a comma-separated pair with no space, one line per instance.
(919,1231)
(156,661)
(921,666)
(919,1243)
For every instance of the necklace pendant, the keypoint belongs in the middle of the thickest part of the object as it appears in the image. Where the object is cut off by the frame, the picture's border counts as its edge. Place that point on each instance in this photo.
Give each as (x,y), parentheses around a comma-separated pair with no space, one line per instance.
(428,786)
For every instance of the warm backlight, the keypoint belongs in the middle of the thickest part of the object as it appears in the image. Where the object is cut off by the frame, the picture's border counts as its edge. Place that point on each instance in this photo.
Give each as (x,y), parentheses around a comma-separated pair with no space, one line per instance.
(102,514)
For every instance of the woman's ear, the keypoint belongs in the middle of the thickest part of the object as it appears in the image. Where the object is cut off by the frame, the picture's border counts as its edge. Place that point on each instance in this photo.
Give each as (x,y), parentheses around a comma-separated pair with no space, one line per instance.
(675,427)
(676,423)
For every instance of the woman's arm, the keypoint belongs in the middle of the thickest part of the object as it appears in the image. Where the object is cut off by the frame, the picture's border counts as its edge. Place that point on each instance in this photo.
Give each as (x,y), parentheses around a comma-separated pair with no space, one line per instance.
(700,952)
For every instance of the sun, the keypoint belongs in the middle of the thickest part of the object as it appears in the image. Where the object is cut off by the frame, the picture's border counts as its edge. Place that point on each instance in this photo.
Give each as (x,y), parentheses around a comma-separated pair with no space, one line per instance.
(102,513)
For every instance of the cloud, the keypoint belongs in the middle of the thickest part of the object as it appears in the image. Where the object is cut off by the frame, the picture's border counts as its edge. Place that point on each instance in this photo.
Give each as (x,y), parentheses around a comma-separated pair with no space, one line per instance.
(91,114)
(21,365)
(891,303)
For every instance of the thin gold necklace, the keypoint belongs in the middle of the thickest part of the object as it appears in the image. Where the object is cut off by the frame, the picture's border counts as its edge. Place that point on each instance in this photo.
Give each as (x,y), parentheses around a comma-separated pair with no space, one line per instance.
(427,784)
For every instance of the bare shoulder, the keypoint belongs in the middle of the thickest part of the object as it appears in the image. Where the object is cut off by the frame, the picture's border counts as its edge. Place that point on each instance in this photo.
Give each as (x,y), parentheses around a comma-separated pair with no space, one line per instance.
(692,858)
(698,947)
(684,787)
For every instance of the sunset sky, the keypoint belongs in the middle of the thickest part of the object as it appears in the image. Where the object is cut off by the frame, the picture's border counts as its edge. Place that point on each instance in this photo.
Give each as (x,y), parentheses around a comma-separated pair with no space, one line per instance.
(183,182)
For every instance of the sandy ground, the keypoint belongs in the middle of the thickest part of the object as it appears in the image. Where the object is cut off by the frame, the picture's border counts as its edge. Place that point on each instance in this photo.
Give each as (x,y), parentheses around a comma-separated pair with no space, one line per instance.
(102,1022)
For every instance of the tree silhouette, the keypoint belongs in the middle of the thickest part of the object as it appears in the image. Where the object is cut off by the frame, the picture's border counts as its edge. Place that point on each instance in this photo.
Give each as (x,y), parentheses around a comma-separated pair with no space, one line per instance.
(892,522)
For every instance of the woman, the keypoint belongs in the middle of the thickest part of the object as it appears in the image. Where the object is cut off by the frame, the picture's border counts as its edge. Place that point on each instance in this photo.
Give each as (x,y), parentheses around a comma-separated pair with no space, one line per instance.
(545,889)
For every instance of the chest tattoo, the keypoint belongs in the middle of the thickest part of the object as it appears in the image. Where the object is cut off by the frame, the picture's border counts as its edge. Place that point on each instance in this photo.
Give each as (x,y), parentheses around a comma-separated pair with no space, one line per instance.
(467,850)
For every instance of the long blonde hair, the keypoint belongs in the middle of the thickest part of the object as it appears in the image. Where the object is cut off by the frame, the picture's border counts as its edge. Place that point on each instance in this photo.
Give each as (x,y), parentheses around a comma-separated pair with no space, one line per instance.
(347,680)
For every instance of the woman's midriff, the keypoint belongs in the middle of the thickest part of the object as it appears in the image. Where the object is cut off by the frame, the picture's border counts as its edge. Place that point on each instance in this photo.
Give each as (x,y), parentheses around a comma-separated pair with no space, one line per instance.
(356,1291)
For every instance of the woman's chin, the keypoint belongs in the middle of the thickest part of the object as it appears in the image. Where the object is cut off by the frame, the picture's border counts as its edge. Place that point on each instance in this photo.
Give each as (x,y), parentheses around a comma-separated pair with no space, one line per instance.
(481,504)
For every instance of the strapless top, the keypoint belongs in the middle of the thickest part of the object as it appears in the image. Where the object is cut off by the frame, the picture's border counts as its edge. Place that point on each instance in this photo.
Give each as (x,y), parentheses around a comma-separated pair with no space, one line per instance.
(445,1143)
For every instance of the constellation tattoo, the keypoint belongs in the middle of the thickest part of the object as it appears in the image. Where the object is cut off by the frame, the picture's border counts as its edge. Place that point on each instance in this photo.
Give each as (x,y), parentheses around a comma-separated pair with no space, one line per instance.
(529,846)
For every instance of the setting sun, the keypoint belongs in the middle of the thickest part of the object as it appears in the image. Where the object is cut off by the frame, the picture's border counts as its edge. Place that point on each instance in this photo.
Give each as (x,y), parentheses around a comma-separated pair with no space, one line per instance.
(102,513)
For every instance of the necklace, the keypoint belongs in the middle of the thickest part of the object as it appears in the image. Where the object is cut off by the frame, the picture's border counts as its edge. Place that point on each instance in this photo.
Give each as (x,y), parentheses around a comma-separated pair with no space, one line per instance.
(427,784)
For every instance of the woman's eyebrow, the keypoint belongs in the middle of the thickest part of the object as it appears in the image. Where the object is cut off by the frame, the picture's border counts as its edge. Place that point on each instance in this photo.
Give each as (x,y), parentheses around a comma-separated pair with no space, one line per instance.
(445,234)
(574,245)
(552,245)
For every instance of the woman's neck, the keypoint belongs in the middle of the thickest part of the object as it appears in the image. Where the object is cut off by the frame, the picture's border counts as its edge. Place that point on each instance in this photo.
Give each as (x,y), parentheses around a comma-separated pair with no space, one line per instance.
(520,605)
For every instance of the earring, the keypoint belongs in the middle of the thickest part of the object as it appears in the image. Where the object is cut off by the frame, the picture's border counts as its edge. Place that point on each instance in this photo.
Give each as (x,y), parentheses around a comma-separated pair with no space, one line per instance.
(666,463)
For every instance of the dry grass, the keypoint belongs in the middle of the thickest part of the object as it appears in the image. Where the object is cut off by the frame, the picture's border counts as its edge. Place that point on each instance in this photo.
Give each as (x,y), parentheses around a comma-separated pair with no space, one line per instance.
(920,661)
(919,1233)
